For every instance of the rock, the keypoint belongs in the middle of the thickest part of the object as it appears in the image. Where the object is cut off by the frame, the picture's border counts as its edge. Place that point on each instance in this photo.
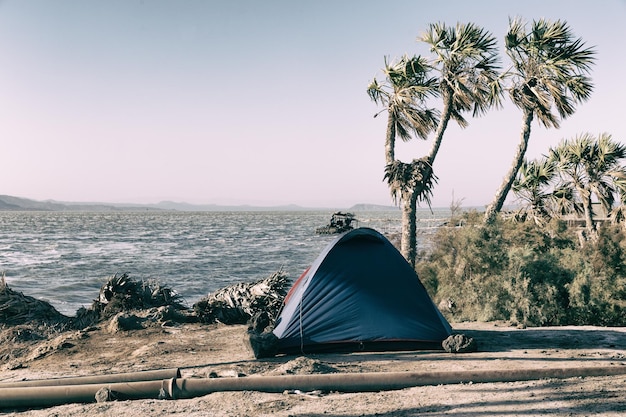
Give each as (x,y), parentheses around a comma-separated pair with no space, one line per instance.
(168,314)
(226,373)
(304,366)
(104,395)
(259,322)
(459,343)
(123,322)
(262,345)
(64,341)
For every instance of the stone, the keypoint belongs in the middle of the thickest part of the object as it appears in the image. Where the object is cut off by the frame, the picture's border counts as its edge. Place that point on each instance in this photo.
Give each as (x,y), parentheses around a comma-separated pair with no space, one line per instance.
(459,343)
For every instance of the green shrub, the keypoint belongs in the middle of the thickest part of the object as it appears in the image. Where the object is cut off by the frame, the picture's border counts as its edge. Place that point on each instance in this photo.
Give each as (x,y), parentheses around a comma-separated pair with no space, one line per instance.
(598,291)
(536,276)
(537,289)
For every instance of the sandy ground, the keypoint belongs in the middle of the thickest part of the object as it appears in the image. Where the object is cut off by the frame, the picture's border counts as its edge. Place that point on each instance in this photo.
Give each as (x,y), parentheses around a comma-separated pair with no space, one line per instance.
(201,350)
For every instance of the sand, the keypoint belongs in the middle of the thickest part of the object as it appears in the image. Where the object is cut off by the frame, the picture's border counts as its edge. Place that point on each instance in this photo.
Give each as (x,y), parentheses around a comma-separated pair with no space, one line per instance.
(201,350)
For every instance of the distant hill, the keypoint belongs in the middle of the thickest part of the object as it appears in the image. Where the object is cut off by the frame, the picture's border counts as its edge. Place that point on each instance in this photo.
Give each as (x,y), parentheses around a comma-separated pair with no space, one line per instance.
(171,205)
(372,207)
(10,203)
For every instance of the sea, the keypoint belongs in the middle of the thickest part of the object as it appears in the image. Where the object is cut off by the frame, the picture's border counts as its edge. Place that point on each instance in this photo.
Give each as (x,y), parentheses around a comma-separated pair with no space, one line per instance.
(64,258)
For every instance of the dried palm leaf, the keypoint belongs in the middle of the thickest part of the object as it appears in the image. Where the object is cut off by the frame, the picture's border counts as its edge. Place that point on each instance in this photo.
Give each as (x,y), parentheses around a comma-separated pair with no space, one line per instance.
(237,303)
(121,293)
(17,308)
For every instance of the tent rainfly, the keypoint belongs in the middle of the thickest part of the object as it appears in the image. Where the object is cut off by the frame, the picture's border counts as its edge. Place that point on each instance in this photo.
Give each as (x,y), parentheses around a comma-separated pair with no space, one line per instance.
(360,294)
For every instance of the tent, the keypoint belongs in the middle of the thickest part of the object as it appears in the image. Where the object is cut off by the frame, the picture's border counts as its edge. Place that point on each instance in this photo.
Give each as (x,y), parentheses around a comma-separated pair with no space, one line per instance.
(359,294)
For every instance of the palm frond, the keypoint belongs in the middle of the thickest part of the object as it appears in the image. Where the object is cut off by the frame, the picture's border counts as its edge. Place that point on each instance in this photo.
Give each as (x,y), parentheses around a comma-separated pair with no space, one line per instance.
(551,69)
(467,58)
(407,178)
(592,166)
(404,92)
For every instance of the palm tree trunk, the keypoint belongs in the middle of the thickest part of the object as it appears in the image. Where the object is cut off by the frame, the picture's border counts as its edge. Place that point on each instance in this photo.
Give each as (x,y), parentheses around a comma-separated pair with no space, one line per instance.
(408,244)
(498,201)
(410,240)
(590,225)
(390,140)
(441,129)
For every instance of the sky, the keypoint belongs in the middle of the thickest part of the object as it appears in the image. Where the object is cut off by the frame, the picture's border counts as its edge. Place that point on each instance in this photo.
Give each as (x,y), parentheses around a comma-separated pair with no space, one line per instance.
(255,102)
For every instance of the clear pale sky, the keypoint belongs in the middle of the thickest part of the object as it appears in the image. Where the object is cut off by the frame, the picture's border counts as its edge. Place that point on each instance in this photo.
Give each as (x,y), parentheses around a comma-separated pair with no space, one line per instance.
(254,102)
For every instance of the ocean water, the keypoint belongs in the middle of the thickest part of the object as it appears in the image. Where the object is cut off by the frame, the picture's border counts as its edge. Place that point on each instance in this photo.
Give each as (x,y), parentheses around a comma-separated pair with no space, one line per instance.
(65,257)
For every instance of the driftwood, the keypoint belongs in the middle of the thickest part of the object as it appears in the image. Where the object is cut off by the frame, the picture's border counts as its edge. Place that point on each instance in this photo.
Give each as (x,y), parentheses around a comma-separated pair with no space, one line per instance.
(238,303)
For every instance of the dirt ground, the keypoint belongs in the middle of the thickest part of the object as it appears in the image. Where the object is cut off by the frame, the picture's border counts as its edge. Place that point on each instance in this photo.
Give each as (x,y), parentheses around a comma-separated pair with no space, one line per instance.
(218,350)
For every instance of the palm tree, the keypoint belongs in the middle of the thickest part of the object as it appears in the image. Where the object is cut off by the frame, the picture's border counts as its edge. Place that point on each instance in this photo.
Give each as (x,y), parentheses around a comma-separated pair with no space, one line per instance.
(593,168)
(548,78)
(468,79)
(403,94)
(406,87)
(532,187)
(466,58)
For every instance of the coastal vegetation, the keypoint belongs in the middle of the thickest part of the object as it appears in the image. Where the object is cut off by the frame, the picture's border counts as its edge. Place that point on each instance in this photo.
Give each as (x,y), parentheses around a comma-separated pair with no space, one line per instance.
(546,79)
(558,259)
(570,178)
(527,273)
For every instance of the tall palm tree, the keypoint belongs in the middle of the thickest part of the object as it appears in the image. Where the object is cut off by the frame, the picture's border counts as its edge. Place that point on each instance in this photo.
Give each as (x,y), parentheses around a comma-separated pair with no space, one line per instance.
(466,59)
(548,78)
(593,167)
(404,93)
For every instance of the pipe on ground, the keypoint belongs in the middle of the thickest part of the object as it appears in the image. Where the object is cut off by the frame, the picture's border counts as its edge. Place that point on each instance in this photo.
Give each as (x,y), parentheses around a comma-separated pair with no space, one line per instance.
(375,381)
(97,379)
(31,397)
(175,388)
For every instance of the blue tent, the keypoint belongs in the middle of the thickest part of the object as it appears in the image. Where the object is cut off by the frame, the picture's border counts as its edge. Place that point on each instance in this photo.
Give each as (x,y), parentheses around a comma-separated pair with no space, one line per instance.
(359,294)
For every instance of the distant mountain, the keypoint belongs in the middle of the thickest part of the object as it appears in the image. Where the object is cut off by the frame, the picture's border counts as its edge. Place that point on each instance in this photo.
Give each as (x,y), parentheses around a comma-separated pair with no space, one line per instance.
(172,205)
(372,207)
(9,203)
